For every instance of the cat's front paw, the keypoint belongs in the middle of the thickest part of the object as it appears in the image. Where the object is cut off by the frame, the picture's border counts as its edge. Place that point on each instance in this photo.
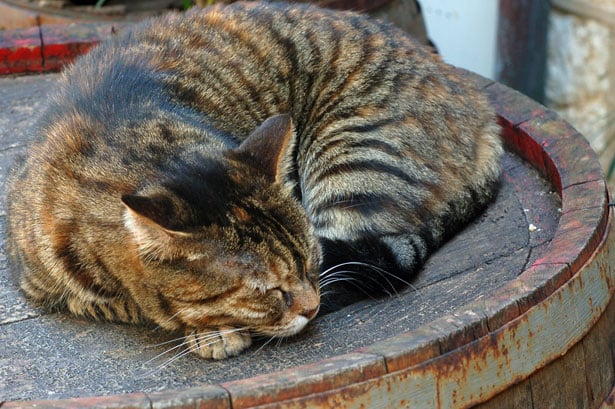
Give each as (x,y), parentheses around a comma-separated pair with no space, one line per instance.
(218,343)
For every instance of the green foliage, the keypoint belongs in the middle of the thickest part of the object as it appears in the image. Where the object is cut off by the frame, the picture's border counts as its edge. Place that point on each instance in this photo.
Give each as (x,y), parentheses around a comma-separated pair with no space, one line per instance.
(186,3)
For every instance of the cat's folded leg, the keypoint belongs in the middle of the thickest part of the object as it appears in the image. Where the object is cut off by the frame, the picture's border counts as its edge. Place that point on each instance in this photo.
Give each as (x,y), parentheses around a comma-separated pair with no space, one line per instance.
(218,343)
(372,266)
(389,255)
(406,252)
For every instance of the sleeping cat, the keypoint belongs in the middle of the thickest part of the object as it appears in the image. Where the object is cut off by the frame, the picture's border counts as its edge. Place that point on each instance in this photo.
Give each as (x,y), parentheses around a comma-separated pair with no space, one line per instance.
(200,171)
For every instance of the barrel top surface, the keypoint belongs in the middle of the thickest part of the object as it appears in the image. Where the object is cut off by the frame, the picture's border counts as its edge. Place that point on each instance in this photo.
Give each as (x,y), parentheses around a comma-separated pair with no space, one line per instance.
(548,217)
(101,359)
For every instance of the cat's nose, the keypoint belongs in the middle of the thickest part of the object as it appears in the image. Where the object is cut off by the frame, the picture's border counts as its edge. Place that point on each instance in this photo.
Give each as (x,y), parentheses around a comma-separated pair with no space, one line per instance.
(310,313)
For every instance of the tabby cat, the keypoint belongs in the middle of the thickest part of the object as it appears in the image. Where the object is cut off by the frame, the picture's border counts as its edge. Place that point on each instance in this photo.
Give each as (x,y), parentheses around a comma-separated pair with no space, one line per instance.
(200,171)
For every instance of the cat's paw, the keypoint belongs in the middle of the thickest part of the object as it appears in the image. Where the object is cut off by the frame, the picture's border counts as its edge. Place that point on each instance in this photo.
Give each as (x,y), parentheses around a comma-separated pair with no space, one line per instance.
(218,343)
(407,251)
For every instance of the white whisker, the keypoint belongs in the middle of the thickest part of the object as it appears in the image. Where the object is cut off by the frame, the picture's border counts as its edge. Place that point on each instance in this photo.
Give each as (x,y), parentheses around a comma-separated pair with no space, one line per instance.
(264,345)
(328,275)
(337,278)
(184,347)
(169,350)
(340,277)
(171,318)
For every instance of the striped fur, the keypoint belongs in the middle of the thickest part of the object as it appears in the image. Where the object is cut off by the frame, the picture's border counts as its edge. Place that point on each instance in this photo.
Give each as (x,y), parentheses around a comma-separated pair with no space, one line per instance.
(199,171)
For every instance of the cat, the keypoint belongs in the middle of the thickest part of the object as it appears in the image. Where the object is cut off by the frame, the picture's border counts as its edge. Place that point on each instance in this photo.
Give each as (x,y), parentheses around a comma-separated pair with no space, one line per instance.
(211,172)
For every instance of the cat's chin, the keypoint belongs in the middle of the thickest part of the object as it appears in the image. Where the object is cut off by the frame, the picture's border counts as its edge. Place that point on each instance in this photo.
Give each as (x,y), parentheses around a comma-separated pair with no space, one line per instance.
(292,328)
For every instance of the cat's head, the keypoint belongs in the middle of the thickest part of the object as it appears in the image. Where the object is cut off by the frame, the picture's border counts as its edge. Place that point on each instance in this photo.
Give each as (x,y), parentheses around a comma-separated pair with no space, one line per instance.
(222,241)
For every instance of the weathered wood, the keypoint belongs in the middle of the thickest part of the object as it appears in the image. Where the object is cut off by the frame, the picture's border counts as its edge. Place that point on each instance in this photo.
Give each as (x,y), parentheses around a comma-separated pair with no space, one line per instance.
(518,396)
(561,384)
(598,357)
(609,317)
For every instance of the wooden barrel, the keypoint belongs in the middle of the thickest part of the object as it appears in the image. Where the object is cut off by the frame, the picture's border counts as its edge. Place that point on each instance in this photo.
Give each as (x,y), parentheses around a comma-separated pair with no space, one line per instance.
(543,337)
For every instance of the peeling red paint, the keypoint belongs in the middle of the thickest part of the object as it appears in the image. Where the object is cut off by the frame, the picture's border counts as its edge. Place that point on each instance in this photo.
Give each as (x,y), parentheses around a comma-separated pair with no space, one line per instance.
(48,48)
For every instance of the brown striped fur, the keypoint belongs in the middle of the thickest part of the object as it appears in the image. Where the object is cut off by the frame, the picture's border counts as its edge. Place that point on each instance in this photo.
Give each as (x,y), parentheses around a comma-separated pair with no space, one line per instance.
(199,171)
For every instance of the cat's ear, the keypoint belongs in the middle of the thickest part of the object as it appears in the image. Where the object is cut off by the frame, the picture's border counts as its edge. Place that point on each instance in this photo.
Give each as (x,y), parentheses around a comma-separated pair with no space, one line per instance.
(267,147)
(157,209)
(154,222)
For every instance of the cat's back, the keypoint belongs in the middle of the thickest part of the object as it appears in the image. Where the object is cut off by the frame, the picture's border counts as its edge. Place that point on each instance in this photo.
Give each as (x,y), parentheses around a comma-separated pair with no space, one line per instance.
(238,64)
